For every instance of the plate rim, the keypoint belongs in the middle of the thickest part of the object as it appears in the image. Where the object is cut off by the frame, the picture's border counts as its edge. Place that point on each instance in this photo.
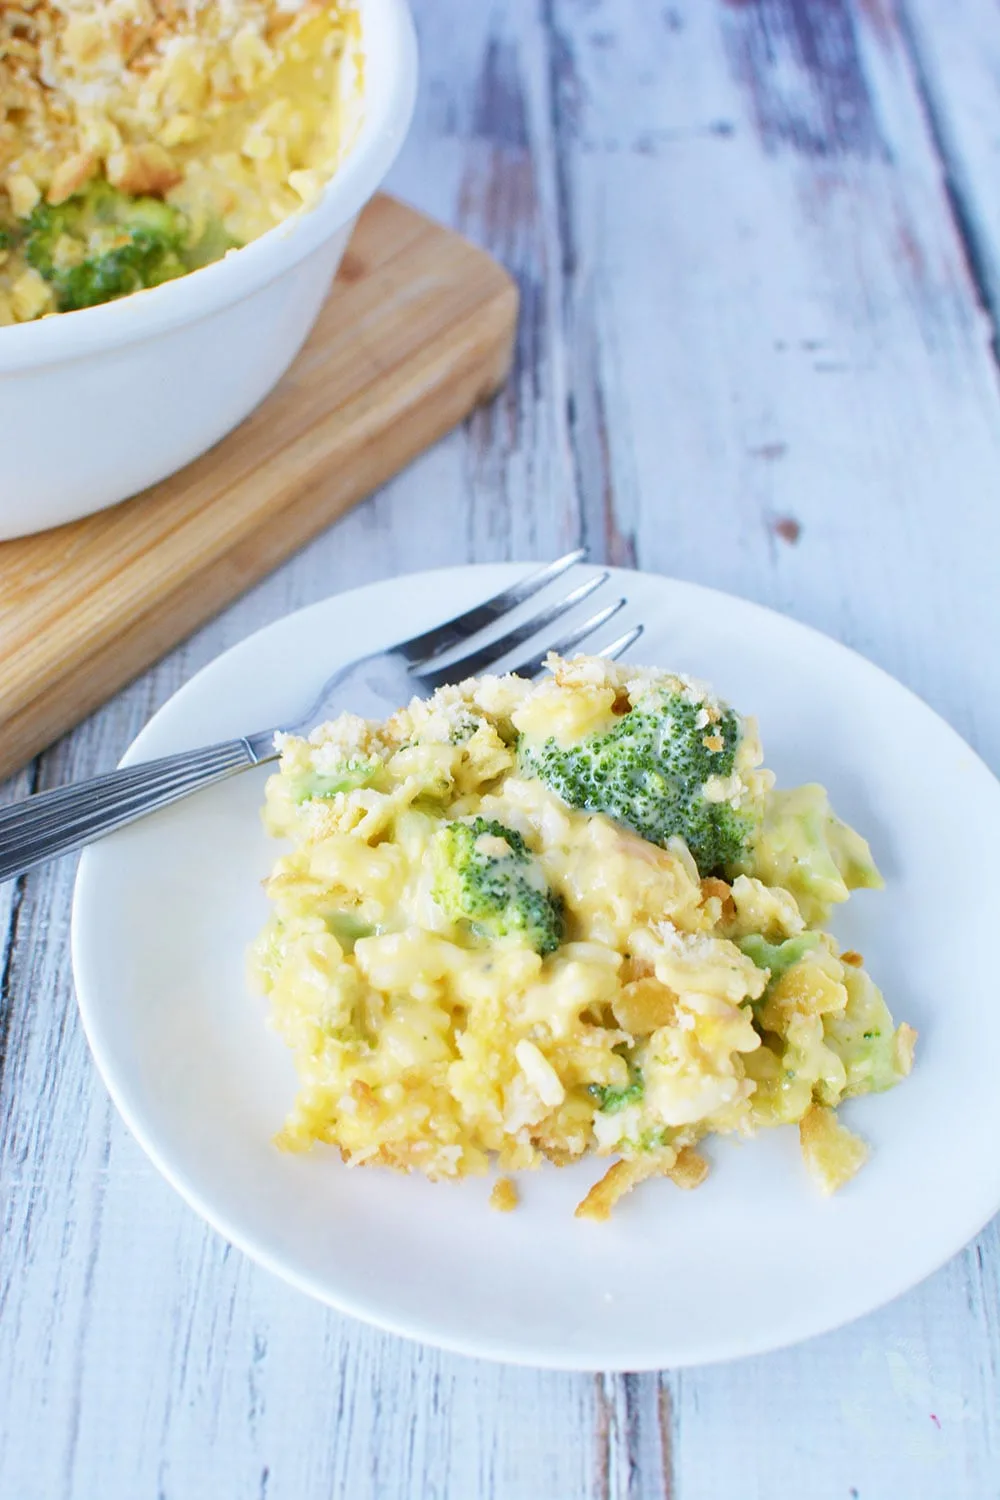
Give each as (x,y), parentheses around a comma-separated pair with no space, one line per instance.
(519,1353)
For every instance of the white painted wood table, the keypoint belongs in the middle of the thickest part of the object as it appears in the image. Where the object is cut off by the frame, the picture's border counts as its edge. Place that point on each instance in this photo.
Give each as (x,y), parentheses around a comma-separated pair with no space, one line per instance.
(758,243)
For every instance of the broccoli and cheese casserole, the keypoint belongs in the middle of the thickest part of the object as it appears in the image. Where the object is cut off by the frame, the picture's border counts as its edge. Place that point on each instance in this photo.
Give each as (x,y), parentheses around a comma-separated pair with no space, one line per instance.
(523,922)
(141,139)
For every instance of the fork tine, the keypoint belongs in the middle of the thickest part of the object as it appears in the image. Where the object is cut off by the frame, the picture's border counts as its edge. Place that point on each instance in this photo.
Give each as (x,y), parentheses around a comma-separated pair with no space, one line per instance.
(420,648)
(532,665)
(477,661)
(620,646)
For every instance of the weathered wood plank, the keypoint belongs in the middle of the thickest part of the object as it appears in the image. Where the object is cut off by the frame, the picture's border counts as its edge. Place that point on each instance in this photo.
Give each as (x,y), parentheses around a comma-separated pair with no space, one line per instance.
(789,339)
(956,60)
(752,354)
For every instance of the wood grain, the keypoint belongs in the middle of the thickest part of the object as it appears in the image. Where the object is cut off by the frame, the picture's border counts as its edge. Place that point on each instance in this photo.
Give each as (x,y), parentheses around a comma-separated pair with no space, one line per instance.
(418,331)
(754,351)
(956,62)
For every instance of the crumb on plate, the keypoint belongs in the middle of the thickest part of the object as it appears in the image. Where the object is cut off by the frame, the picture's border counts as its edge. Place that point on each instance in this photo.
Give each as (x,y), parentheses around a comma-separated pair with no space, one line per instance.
(505,1196)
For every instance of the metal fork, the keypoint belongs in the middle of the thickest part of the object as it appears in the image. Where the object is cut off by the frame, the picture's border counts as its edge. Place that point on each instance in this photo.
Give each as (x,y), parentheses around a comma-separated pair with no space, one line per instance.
(53,823)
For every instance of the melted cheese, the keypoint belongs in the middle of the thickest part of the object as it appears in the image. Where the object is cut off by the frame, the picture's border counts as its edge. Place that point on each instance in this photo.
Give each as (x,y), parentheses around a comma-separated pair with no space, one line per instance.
(423,1046)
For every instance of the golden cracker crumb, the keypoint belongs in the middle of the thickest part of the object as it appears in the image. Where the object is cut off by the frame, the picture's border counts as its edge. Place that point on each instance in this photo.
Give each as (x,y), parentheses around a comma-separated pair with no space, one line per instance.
(505,1196)
(621,1179)
(689,1170)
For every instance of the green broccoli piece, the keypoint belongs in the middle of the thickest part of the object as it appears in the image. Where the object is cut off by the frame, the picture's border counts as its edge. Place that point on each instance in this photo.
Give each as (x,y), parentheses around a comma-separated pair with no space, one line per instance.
(101,244)
(610,1100)
(653,1140)
(649,773)
(359,770)
(215,242)
(865,1038)
(804,847)
(347,928)
(485,875)
(778,957)
(465,726)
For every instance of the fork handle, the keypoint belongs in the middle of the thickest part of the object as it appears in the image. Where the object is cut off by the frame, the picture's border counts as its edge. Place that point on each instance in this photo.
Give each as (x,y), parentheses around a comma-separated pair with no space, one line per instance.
(52,823)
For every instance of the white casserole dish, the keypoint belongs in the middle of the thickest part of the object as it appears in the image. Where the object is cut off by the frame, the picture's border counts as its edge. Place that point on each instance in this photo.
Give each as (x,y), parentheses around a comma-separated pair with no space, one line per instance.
(96,405)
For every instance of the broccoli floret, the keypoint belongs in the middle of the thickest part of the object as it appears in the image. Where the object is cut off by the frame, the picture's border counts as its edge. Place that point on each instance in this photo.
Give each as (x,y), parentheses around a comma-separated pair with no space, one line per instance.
(485,875)
(803,847)
(610,1100)
(875,1053)
(649,772)
(359,770)
(653,1140)
(777,957)
(102,244)
(464,727)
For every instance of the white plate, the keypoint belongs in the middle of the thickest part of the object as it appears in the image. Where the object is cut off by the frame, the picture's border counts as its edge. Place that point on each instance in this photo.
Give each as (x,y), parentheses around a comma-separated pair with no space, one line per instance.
(753,1260)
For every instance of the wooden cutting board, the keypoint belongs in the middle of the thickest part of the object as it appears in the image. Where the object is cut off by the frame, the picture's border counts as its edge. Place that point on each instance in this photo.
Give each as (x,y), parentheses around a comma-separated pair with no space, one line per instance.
(418,330)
